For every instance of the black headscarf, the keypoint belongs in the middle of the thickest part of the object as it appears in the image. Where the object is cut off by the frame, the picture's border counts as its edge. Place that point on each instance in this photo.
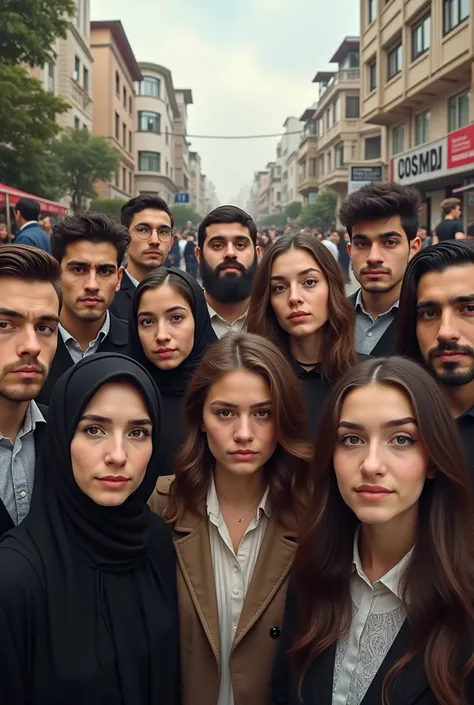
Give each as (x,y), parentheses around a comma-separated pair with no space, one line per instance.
(175,382)
(68,538)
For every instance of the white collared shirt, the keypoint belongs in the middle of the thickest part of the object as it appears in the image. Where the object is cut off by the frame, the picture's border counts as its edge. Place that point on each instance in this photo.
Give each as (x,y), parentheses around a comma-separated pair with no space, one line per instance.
(73,347)
(134,281)
(377,617)
(232,574)
(222,327)
(368,330)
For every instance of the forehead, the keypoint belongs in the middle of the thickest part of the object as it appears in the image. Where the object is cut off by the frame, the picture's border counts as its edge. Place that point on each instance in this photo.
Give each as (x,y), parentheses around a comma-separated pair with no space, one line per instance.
(91,252)
(293,262)
(374,228)
(152,217)
(117,399)
(375,404)
(227,230)
(240,387)
(446,285)
(162,299)
(30,298)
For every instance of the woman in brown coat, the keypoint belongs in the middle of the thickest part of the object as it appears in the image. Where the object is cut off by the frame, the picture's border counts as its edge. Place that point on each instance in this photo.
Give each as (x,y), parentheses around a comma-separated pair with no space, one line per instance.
(234,505)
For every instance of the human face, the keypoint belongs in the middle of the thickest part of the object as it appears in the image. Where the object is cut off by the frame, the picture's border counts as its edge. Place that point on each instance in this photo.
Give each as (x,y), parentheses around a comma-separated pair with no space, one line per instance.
(380,461)
(29,317)
(151,253)
(456,212)
(445,323)
(165,327)
(239,425)
(90,277)
(3,233)
(422,234)
(380,253)
(299,293)
(228,262)
(335,238)
(112,445)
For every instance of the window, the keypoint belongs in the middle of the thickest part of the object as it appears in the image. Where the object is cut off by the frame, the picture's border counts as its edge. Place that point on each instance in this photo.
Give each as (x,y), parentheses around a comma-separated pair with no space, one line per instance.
(77,123)
(167,136)
(328,119)
(372,76)
(149,161)
(50,76)
(124,135)
(124,97)
(422,128)
(372,148)
(117,83)
(312,167)
(329,162)
(339,156)
(85,79)
(150,86)
(398,139)
(129,140)
(395,61)
(420,37)
(458,111)
(352,106)
(167,168)
(124,178)
(117,126)
(149,122)
(130,182)
(455,12)
(130,105)
(77,68)
(372,10)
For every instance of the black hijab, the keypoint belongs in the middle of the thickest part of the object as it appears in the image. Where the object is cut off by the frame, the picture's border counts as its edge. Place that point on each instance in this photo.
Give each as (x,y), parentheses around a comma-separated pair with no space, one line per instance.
(174,382)
(71,541)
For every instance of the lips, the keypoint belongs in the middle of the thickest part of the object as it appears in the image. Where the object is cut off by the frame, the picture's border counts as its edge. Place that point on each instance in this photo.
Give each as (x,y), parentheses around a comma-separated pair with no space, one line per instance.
(297,315)
(165,352)
(373,489)
(374,272)
(91,300)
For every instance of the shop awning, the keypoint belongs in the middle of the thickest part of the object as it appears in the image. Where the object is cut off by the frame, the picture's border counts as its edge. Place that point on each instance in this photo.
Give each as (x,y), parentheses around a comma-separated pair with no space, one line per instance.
(15,194)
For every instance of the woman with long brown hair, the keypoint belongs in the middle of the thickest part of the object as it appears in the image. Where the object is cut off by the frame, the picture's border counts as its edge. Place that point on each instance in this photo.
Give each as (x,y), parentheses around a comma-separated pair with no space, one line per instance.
(299,302)
(382,606)
(234,505)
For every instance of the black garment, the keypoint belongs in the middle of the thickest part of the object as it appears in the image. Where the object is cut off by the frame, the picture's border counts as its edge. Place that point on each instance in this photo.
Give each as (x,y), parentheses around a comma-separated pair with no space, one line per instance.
(344,259)
(88,612)
(411,687)
(122,303)
(174,255)
(447,229)
(116,341)
(190,260)
(174,383)
(386,344)
(465,425)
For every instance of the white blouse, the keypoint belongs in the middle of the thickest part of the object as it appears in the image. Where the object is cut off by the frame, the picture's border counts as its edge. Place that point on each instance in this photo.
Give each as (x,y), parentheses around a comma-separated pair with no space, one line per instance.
(232,574)
(377,617)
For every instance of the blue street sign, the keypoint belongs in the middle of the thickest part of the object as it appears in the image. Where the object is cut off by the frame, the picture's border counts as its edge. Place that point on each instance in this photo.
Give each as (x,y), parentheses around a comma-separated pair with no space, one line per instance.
(181,198)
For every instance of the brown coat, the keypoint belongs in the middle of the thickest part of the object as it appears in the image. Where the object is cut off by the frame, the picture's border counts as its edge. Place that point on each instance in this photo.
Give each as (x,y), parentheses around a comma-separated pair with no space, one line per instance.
(257,636)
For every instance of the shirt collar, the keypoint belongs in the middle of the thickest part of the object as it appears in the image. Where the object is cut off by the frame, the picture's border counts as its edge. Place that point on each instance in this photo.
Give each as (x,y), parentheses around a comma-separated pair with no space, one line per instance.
(391,580)
(33,417)
(213,314)
(214,511)
(360,305)
(30,222)
(134,281)
(103,333)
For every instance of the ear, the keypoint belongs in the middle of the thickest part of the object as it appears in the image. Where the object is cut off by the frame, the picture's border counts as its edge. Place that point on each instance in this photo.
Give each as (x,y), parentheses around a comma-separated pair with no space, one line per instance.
(120,275)
(415,247)
(197,253)
(349,248)
(258,252)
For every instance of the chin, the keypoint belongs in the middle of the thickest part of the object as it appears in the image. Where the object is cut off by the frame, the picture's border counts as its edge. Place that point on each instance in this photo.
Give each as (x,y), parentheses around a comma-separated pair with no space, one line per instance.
(112,500)
(373,515)
(25,392)
(166,364)
(243,469)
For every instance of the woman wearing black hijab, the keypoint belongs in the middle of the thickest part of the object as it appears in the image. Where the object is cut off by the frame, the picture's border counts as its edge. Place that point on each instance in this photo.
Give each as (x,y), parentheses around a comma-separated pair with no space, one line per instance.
(87,581)
(169,332)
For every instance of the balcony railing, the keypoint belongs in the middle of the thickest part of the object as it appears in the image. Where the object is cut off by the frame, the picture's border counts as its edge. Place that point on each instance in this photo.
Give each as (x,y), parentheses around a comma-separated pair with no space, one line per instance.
(343,76)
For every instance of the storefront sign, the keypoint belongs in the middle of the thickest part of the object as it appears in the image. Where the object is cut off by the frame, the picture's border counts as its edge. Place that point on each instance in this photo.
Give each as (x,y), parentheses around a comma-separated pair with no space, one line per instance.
(461,147)
(362,175)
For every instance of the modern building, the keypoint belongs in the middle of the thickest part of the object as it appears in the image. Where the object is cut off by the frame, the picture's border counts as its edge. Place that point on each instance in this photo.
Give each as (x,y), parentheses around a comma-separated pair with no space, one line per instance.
(156,112)
(416,80)
(115,73)
(181,159)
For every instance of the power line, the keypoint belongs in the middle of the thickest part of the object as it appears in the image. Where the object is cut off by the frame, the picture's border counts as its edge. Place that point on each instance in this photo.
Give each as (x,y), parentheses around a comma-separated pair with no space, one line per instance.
(234,137)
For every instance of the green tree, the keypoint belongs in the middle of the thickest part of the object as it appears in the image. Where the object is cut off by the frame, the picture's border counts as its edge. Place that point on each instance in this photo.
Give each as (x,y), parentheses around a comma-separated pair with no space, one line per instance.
(83,160)
(322,214)
(107,206)
(276,220)
(181,215)
(293,210)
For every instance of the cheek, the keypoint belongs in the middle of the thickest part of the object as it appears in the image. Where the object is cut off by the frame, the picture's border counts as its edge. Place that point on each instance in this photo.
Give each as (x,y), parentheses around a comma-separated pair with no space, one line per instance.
(217,438)
(83,459)
(146,336)
(346,467)
(139,456)
(185,335)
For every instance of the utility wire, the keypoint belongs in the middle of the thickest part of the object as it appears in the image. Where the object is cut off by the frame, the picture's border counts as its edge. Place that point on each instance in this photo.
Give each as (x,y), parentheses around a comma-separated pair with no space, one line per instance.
(234,137)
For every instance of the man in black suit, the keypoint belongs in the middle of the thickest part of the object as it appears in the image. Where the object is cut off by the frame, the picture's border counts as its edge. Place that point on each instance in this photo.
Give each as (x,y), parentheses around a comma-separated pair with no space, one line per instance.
(382,223)
(27,212)
(89,247)
(29,319)
(150,224)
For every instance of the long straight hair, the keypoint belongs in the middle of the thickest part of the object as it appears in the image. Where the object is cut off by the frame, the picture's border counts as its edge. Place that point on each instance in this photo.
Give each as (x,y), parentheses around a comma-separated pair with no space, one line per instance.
(287,470)
(438,588)
(338,346)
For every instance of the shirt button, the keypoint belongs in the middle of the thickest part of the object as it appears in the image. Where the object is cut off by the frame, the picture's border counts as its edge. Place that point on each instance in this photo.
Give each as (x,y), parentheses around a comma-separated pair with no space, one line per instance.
(22,494)
(369,334)
(236,569)
(235,591)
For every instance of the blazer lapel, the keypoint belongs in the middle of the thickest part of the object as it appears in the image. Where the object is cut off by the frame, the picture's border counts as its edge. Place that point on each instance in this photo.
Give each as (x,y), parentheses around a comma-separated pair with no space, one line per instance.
(317,687)
(193,550)
(273,565)
(117,338)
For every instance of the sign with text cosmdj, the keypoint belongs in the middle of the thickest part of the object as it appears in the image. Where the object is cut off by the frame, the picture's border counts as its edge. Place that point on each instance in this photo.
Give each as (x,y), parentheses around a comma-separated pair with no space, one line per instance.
(362,175)
(181,197)
(427,162)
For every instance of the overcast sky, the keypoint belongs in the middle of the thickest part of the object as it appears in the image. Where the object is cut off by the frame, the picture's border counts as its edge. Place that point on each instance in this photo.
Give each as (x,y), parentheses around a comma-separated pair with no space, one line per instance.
(249,63)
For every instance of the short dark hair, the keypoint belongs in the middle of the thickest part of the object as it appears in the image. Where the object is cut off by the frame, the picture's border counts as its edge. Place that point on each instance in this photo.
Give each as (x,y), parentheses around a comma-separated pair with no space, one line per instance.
(436,258)
(227,214)
(31,264)
(449,204)
(140,203)
(377,201)
(93,227)
(28,208)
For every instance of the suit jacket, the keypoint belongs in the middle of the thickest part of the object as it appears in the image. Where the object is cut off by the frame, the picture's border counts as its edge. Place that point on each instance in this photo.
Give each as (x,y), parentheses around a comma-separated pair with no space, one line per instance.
(386,345)
(410,687)
(6,522)
(258,631)
(34,236)
(115,341)
(122,302)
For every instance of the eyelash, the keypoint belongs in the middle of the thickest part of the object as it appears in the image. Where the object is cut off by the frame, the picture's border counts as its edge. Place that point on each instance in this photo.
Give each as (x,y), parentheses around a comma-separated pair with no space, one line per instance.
(220,413)
(144,431)
(310,282)
(406,437)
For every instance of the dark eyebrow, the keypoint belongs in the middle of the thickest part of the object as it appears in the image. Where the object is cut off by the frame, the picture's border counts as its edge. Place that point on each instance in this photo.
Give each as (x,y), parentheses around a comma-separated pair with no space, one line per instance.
(76,263)
(300,274)
(466,299)
(158,227)
(390,233)
(223,238)
(388,424)
(48,317)
(236,406)
(104,419)
(168,310)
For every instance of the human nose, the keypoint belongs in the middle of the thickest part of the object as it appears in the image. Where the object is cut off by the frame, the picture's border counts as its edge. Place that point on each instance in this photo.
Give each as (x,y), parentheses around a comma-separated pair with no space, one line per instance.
(230,252)
(295,294)
(154,239)
(162,334)
(243,432)
(116,452)
(29,343)
(373,462)
(375,253)
(446,330)
(92,283)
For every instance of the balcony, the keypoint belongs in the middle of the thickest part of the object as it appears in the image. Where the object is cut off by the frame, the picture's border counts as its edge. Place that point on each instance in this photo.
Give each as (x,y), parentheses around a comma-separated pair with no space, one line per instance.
(344,78)
(307,184)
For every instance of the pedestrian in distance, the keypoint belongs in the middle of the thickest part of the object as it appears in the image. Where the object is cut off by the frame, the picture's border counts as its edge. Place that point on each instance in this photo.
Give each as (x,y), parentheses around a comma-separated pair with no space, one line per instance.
(27,213)
(451,227)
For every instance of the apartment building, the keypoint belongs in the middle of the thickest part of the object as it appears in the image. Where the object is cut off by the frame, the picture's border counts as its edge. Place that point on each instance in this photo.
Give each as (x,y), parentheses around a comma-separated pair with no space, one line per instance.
(202,194)
(289,161)
(115,73)
(156,112)
(417,75)
(307,155)
(195,182)
(181,159)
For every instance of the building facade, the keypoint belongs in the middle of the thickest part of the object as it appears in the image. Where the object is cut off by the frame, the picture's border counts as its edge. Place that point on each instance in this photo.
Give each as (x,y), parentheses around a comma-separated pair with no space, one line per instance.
(181,158)
(416,80)
(115,74)
(156,112)
(289,149)
(195,198)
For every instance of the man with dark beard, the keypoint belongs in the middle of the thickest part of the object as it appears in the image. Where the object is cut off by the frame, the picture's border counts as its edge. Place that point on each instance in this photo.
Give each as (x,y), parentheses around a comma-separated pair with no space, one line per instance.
(436,325)
(228,255)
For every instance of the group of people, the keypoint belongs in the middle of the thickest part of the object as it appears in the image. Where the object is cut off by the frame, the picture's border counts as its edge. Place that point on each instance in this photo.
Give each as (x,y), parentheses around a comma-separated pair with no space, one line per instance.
(255,490)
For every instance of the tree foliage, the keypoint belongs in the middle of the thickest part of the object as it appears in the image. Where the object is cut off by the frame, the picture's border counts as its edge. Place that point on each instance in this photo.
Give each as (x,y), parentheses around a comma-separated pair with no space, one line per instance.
(293,210)
(323,213)
(181,215)
(276,220)
(107,206)
(83,160)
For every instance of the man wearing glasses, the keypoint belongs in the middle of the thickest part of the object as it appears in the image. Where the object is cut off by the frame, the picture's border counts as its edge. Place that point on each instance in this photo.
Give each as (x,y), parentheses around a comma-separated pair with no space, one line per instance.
(150,224)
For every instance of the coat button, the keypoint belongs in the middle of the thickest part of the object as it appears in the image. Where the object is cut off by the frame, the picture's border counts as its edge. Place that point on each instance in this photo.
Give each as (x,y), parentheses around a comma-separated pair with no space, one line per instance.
(275,632)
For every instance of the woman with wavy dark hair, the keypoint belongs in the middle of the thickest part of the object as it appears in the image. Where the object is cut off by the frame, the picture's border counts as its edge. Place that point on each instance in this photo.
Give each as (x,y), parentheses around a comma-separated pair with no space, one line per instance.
(382,606)
(234,504)
(299,302)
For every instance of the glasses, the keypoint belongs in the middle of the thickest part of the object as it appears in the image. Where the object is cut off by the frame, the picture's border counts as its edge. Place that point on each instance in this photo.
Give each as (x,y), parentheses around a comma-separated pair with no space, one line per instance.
(144,232)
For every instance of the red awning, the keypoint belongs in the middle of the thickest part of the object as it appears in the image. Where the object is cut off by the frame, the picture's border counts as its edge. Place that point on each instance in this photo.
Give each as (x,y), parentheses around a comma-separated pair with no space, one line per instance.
(15,194)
